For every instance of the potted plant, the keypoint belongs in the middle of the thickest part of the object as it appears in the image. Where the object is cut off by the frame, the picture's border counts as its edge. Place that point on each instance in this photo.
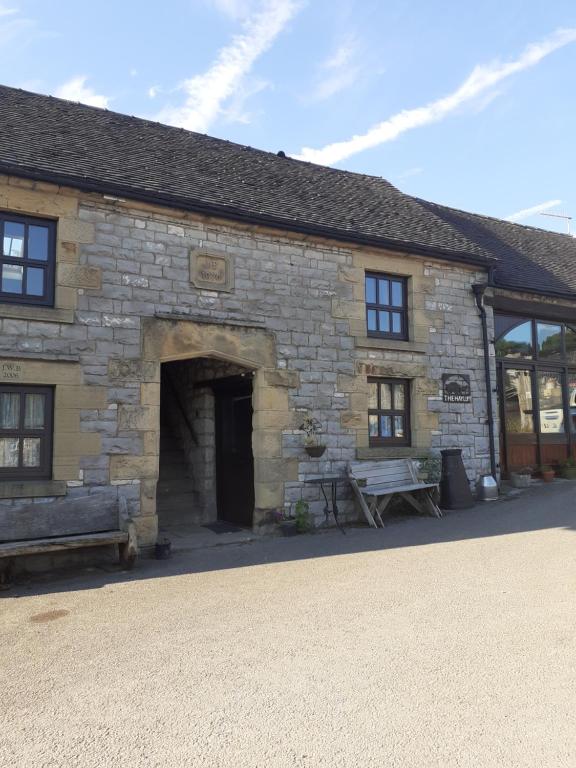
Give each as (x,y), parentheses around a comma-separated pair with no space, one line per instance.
(521,478)
(302,516)
(312,445)
(547,473)
(286,525)
(568,469)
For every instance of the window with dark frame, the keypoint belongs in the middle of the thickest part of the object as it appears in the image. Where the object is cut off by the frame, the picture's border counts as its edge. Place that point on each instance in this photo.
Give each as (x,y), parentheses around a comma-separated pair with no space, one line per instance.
(386,306)
(388,411)
(27,260)
(26,432)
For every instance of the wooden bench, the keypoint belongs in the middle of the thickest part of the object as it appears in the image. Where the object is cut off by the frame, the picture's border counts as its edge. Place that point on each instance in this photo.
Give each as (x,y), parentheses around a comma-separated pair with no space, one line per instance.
(375,483)
(90,521)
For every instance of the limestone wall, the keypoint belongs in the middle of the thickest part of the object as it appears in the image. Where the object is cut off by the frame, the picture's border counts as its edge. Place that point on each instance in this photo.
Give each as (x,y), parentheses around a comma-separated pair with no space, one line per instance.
(293,313)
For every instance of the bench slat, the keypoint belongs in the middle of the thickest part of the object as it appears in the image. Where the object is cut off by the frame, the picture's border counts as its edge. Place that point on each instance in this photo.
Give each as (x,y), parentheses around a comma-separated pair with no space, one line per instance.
(381,490)
(40,546)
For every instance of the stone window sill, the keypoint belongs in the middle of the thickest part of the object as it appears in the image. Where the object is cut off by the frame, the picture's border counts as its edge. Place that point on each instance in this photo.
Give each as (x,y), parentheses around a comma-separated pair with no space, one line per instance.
(15,489)
(372,342)
(401,452)
(42,314)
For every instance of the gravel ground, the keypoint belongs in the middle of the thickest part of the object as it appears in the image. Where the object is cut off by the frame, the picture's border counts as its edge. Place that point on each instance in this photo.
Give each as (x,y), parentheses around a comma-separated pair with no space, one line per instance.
(431,643)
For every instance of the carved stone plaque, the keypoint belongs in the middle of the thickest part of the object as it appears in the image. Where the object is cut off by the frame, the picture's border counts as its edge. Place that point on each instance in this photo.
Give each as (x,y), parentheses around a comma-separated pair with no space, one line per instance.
(211,270)
(10,371)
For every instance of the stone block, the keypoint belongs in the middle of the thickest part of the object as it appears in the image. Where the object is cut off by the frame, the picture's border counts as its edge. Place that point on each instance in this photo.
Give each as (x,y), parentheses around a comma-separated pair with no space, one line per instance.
(74,276)
(282,378)
(133,467)
(137,417)
(270,399)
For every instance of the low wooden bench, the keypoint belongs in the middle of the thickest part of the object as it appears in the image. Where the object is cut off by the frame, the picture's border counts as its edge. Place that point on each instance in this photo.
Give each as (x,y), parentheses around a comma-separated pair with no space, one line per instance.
(67,524)
(375,483)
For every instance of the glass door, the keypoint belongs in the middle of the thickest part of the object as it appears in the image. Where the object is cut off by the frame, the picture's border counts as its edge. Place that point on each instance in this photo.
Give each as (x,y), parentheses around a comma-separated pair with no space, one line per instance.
(517,413)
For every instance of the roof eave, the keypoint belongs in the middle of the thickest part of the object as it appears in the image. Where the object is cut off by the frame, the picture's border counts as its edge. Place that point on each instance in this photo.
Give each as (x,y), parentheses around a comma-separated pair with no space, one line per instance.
(228,212)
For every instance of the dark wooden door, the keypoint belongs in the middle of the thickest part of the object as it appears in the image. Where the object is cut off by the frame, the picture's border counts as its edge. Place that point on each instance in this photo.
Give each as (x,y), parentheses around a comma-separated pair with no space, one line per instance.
(234,460)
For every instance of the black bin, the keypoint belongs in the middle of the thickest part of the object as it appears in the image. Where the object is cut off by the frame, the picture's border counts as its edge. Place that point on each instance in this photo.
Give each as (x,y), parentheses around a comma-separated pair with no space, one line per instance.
(455,490)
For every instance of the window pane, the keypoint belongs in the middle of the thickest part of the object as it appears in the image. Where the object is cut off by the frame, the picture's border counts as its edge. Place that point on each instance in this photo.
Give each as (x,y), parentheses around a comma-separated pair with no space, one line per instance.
(570,341)
(373,426)
(399,397)
(397,294)
(384,321)
(550,396)
(549,341)
(372,395)
(371,290)
(9,447)
(398,426)
(518,401)
(35,281)
(9,410)
(572,398)
(396,322)
(371,319)
(517,342)
(38,243)
(385,397)
(385,426)
(34,408)
(31,452)
(12,276)
(384,292)
(13,239)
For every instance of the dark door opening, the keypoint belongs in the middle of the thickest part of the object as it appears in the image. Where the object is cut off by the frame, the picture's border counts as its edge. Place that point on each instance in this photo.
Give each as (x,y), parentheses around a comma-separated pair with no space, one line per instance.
(234,459)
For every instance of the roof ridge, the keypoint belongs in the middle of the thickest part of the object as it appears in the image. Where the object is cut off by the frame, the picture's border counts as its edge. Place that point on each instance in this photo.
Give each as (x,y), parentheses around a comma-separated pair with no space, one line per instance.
(206,136)
(491,218)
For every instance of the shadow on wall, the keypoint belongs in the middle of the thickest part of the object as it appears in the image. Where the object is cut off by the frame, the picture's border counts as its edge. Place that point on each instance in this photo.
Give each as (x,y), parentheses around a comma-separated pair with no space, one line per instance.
(542,508)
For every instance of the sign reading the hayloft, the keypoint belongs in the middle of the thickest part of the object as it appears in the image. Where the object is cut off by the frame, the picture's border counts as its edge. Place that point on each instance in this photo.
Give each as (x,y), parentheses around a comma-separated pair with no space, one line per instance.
(455,388)
(211,271)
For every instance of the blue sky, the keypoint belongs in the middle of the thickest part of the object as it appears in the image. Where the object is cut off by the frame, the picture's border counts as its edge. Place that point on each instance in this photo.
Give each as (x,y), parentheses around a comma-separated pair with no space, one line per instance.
(466,104)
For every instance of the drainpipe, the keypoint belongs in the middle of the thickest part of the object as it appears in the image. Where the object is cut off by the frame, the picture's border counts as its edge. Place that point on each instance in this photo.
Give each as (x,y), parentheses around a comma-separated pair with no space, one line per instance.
(479,290)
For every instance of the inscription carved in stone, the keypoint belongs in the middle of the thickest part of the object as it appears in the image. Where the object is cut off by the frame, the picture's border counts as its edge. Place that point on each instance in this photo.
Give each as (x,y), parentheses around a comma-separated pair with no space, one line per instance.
(10,371)
(211,270)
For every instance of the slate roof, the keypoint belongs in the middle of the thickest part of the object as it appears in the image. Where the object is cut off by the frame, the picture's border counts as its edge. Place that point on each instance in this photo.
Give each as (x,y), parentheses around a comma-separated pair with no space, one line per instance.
(528,258)
(70,143)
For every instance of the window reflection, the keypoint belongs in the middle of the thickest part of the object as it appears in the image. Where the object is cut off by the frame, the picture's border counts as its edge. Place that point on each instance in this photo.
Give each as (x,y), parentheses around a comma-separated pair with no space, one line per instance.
(549,341)
(550,397)
(572,399)
(518,401)
(517,342)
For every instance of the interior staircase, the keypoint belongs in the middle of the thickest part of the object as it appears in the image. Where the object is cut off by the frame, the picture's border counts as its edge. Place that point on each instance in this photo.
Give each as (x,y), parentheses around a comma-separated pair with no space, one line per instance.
(176,500)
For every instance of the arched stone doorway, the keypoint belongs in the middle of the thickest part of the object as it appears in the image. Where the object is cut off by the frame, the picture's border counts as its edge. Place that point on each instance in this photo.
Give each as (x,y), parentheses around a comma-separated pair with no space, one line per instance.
(242,349)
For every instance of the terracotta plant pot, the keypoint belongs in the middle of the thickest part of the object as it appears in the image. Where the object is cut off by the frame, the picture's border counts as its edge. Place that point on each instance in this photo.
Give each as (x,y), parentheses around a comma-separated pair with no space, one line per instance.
(315,450)
(548,475)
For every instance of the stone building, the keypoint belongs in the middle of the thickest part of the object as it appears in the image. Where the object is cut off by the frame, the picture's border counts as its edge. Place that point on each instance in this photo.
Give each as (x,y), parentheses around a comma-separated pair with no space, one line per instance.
(174,306)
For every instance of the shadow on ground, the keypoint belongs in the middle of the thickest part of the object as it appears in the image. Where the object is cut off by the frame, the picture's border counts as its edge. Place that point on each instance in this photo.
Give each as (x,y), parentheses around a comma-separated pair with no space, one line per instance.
(540,508)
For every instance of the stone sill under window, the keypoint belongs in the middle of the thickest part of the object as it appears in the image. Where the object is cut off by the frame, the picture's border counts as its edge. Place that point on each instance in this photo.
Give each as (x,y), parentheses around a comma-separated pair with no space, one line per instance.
(391,452)
(22,489)
(42,314)
(374,342)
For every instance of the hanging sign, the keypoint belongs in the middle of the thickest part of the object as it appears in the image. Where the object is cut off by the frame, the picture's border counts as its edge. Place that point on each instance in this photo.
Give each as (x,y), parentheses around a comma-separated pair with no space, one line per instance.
(456,388)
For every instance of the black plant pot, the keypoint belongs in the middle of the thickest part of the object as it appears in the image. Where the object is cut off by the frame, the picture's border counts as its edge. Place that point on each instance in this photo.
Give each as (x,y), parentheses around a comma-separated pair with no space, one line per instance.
(315,450)
(288,528)
(163,549)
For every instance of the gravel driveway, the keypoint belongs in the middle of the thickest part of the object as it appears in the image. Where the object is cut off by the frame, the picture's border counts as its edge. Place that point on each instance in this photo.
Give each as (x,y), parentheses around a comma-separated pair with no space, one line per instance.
(431,643)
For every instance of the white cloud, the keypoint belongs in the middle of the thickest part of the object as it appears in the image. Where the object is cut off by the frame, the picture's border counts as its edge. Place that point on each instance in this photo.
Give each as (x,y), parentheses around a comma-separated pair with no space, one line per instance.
(12,24)
(481,79)
(235,9)
(7,11)
(153,91)
(410,172)
(526,213)
(206,94)
(77,90)
(339,71)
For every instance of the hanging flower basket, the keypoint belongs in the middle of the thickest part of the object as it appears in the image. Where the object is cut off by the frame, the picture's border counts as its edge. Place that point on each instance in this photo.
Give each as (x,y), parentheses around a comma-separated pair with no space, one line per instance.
(315,451)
